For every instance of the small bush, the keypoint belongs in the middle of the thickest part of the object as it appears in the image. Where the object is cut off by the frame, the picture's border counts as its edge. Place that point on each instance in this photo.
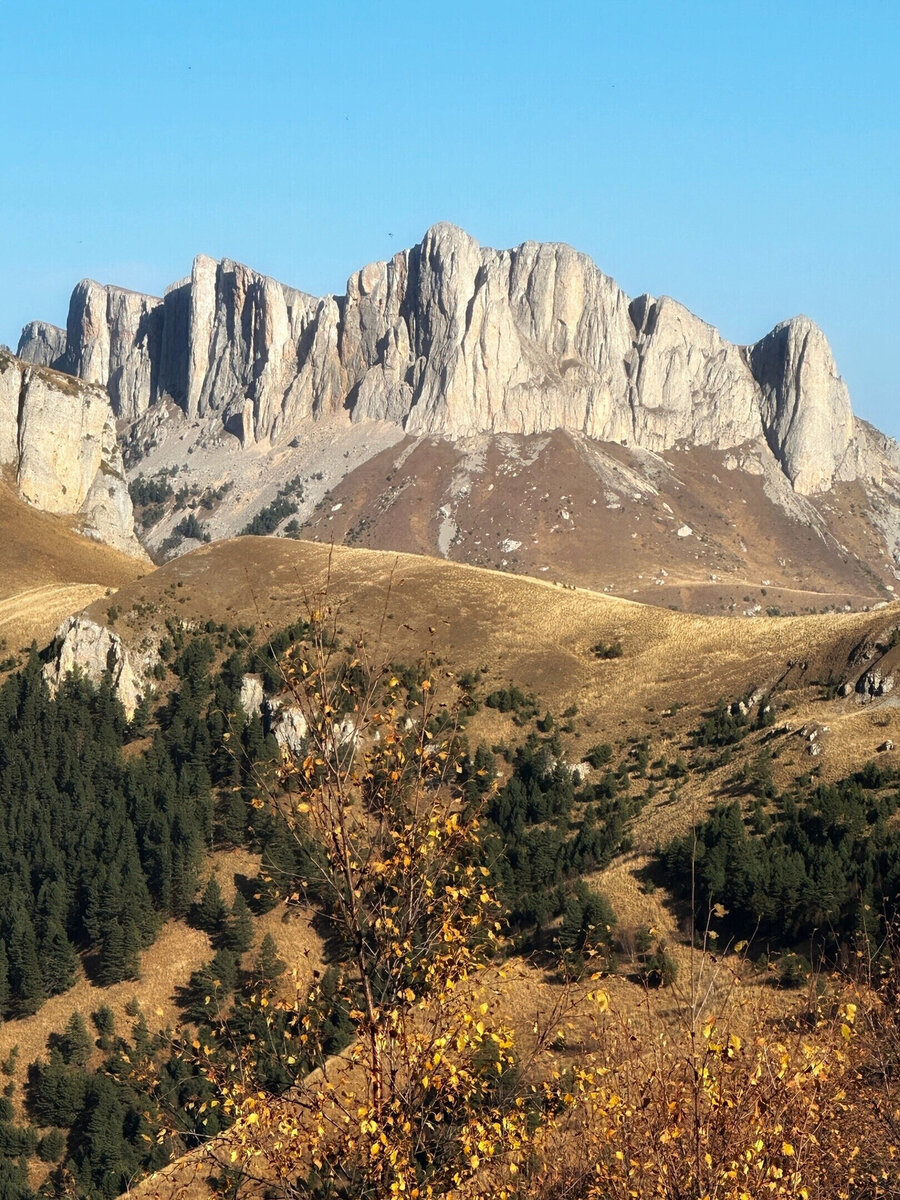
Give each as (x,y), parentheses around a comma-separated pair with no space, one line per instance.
(607,650)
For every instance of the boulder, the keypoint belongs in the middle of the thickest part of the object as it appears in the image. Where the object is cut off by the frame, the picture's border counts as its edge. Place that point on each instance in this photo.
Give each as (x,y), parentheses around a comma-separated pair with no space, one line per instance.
(876,682)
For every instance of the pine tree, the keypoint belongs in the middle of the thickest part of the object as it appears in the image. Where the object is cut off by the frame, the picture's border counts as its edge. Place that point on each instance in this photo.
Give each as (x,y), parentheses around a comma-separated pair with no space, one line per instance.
(234,819)
(238,935)
(268,965)
(132,951)
(75,1043)
(211,912)
(14,1180)
(51,1146)
(104,1020)
(24,966)
(113,958)
(103,1158)
(4,980)
(58,959)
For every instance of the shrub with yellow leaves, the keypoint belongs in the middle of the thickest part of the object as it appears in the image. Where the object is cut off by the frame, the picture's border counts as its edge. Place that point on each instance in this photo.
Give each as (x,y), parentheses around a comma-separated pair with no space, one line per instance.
(426,1101)
(705,1092)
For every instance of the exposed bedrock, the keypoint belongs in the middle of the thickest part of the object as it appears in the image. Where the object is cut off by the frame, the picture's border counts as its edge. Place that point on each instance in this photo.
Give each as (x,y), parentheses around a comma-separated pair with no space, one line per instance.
(451,339)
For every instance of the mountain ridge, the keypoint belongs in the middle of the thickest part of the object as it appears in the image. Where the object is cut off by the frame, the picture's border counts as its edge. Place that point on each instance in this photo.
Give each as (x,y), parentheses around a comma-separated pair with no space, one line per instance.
(246,405)
(452,339)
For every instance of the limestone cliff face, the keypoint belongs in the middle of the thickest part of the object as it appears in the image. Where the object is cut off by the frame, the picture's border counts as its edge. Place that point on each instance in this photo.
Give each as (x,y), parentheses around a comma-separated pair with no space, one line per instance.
(59,437)
(114,338)
(42,344)
(97,652)
(452,339)
(805,403)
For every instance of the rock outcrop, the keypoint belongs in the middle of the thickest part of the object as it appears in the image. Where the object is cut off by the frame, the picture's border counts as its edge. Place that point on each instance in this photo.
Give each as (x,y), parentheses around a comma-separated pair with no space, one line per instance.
(451,339)
(252,695)
(58,436)
(96,651)
(805,404)
(42,344)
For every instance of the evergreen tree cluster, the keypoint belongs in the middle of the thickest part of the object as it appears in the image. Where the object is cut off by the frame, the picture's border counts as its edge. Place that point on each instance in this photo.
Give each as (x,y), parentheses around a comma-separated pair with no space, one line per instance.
(284,505)
(99,846)
(548,829)
(105,1121)
(823,862)
(724,725)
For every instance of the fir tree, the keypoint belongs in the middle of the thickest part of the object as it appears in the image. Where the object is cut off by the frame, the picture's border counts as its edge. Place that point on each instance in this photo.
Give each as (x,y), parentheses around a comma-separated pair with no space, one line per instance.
(75,1042)
(238,935)
(268,966)
(51,1146)
(4,979)
(58,959)
(24,966)
(211,912)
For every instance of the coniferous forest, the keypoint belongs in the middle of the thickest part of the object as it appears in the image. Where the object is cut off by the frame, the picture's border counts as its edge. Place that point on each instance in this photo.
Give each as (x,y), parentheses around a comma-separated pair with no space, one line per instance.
(105,828)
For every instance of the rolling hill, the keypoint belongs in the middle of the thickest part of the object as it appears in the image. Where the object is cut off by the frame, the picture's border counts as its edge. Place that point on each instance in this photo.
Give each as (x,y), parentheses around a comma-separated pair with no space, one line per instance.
(48,570)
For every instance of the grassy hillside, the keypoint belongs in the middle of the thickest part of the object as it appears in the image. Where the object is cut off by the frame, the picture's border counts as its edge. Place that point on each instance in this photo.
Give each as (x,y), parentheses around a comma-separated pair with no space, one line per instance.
(537,634)
(47,570)
(591,670)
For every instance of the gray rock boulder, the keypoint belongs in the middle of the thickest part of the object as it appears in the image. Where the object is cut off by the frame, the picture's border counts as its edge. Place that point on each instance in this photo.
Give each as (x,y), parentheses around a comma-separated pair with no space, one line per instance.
(876,682)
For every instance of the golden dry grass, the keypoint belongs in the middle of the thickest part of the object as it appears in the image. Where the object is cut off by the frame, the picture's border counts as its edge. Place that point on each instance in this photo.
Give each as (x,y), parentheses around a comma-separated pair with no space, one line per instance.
(47,570)
(538,635)
(534,633)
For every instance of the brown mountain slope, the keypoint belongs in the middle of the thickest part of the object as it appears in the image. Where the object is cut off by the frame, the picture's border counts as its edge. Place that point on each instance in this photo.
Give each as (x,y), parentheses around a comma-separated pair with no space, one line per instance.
(47,570)
(540,635)
(686,529)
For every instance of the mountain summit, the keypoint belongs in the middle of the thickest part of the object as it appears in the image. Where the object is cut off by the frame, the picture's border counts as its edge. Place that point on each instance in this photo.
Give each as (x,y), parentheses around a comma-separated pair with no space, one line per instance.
(452,339)
(477,404)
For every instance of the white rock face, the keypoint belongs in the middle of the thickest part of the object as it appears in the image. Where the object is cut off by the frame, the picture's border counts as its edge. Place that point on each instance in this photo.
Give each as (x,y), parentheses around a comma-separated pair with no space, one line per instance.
(42,344)
(10,391)
(252,695)
(451,339)
(94,650)
(805,404)
(289,727)
(114,338)
(688,383)
(59,436)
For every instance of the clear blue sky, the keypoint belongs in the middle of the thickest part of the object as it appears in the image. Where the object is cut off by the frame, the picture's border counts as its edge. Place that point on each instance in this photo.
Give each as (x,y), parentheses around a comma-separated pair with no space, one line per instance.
(742,157)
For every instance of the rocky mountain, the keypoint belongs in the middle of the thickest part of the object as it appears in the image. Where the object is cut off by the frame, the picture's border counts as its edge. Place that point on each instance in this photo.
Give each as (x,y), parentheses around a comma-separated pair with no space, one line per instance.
(58,439)
(451,339)
(252,387)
